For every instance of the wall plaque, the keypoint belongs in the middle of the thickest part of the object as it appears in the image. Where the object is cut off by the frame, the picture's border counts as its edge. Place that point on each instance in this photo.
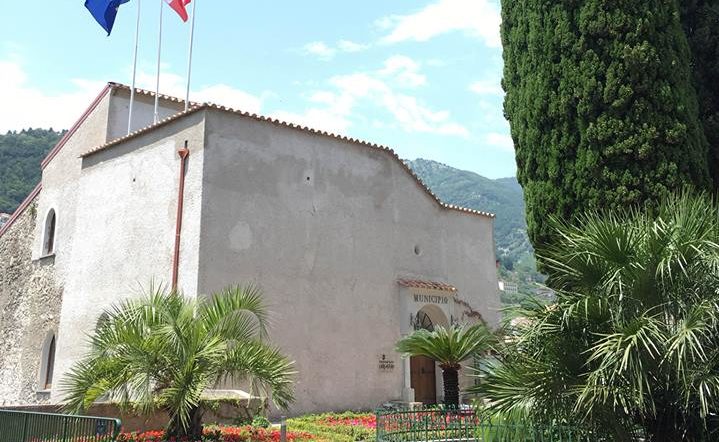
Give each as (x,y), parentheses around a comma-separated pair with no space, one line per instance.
(385,364)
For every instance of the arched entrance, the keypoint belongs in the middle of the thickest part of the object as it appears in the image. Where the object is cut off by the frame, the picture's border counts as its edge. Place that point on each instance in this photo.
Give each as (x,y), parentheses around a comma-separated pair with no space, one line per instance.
(423,370)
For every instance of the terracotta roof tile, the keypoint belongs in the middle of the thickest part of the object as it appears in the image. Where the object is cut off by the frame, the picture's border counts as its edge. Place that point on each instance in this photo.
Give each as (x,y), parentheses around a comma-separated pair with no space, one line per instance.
(196,107)
(424,284)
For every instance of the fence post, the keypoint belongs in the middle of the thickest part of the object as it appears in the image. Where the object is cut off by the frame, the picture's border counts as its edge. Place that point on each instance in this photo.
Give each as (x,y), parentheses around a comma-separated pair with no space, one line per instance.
(283,429)
(24,427)
(64,430)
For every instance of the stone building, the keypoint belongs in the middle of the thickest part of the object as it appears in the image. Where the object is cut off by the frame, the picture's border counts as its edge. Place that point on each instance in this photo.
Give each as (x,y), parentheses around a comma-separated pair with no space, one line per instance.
(351,249)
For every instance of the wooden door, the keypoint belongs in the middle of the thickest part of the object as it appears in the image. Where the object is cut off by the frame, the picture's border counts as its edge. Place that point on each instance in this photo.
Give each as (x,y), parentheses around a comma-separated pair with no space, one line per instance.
(423,380)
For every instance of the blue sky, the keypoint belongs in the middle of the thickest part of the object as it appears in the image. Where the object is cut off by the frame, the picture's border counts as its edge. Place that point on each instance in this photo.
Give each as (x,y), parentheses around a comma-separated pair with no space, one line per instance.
(420,76)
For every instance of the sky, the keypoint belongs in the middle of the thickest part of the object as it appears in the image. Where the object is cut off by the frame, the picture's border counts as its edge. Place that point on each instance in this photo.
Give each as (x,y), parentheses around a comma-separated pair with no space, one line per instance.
(420,76)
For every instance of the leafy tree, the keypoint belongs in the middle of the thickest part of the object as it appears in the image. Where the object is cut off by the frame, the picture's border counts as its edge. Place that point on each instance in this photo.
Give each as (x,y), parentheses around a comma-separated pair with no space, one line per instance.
(630,347)
(20,157)
(601,106)
(449,347)
(164,350)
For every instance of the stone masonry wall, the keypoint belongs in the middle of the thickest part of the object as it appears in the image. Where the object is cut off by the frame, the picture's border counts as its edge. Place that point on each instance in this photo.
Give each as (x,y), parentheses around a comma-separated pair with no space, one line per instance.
(30,302)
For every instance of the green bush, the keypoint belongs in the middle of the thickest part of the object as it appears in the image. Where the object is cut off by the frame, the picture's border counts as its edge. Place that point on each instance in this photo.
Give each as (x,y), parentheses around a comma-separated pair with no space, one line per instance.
(261,422)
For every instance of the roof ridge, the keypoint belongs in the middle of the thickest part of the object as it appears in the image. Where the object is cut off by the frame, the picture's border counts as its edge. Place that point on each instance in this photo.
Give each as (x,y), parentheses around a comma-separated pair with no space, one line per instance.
(199,106)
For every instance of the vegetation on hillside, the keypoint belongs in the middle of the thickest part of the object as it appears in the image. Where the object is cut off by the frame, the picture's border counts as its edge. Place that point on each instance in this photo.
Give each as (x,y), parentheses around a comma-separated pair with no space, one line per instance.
(629,348)
(601,104)
(20,157)
(503,197)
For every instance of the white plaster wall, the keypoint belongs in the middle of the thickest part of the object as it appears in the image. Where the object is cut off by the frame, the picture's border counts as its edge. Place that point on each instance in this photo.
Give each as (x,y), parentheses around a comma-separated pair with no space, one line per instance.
(127,196)
(60,189)
(59,182)
(143,113)
(328,250)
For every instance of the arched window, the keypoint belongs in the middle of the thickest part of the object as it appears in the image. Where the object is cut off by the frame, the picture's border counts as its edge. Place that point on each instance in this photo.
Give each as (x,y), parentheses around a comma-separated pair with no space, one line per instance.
(48,245)
(47,366)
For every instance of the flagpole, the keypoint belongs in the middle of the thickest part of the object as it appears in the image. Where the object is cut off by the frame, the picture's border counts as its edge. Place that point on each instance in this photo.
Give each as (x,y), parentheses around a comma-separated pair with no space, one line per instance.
(189,57)
(159,54)
(134,68)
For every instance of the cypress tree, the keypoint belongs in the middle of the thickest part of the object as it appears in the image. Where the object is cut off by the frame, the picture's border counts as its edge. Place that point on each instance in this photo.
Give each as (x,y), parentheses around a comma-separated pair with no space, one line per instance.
(700,19)
(601,105)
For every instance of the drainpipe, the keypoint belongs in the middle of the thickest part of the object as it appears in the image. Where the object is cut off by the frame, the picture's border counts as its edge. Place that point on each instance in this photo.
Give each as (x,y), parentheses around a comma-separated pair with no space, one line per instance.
(183,153)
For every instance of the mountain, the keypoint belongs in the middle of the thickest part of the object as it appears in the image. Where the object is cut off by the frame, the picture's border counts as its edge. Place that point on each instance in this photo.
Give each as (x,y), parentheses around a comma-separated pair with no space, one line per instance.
(503,197)
(20,157)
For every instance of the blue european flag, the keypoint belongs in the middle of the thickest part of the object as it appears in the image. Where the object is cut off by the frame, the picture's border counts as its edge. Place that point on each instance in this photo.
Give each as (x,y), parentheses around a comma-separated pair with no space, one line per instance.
(104,11)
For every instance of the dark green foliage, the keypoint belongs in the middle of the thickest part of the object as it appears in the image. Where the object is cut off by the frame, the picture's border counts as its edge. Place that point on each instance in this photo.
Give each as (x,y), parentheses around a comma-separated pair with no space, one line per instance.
(601,105)
(20,157)
(630,347)
(700,19)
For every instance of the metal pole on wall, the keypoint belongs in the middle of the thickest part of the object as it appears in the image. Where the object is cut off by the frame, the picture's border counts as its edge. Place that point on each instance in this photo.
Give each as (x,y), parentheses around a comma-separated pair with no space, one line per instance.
(159,55)
(134,69)
(189,57)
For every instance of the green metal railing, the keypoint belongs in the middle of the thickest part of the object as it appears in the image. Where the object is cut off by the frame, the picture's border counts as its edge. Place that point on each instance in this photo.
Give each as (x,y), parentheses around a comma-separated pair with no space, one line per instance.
(465,425)
(23,426)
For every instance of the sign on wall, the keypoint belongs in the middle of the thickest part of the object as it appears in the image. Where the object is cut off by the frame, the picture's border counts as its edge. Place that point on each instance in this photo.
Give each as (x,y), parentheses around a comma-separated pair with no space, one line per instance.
(430,299)
(385,364)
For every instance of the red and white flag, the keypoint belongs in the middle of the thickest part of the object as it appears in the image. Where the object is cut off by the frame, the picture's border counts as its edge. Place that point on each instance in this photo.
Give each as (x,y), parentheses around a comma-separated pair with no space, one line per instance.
(179,6)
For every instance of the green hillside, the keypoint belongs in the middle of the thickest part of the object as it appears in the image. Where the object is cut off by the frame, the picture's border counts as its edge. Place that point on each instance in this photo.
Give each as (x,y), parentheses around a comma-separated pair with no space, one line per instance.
(20,157)
(503,197)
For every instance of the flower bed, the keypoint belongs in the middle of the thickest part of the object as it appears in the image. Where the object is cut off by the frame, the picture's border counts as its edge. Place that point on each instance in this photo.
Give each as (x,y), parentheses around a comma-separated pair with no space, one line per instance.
(336,427)
(222,434)
(328,427)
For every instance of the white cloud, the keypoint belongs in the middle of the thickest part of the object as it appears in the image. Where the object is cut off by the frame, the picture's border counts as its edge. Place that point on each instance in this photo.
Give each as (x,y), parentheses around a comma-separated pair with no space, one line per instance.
(335,109)
(320,49)
(487,87)
(26,106)
(173,84)
(326,52)
(405,69)
(477,18)
(322,119)
(350,46)
(500,140)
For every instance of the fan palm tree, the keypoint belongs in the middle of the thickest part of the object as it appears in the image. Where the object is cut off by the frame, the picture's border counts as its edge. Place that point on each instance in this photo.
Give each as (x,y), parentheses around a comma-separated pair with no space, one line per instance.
(163,350)
(449,347)
(630,349)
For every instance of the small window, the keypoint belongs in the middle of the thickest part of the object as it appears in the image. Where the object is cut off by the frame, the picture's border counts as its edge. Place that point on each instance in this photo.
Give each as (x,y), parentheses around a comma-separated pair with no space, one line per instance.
(47,366)
(50,364)
(48,247)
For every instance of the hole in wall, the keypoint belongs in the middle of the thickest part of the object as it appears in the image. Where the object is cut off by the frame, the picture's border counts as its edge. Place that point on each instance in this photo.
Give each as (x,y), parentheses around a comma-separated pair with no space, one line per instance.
(417,250)
(308,178)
